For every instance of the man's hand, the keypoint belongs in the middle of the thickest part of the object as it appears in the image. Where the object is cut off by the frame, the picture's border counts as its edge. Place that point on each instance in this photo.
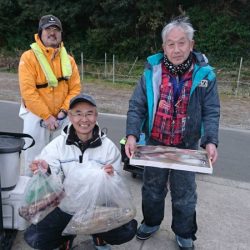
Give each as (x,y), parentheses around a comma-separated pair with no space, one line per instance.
(51,123)
(212,152)
(39,164)
(109,169)
(130,145)
(62,115)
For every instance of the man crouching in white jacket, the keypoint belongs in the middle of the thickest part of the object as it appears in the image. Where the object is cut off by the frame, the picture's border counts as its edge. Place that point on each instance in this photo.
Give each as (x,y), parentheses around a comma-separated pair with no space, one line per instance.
(80,144)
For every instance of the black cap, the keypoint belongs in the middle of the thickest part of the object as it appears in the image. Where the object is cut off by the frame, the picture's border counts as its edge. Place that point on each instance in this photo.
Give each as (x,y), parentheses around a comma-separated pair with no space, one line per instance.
(49,20)
(82,98)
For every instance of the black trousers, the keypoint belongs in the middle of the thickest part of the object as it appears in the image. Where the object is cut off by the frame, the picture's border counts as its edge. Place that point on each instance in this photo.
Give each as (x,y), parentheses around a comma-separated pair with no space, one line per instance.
(47,234)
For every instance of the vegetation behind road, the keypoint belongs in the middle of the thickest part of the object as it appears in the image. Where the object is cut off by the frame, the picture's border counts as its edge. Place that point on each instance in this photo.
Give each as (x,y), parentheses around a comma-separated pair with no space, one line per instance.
(129,28)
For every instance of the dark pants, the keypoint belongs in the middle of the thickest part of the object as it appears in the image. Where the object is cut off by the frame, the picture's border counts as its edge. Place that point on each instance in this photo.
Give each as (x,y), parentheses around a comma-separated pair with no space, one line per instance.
(47,234)
(183,194)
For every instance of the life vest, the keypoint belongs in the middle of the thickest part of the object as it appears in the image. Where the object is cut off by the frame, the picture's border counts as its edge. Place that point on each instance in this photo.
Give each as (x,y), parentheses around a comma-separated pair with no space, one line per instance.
(49,74)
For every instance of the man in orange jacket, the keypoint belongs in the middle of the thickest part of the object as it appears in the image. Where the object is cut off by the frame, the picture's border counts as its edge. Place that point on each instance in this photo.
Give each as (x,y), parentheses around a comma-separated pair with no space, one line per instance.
(48,79)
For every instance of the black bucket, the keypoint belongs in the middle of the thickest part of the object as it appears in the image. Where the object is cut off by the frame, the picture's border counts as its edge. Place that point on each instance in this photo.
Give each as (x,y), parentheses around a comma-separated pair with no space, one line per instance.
(11,145)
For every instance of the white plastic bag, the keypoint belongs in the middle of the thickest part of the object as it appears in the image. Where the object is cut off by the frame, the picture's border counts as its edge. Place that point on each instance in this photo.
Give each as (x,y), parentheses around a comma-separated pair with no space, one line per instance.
(103,203)
(78,183)
(43,193)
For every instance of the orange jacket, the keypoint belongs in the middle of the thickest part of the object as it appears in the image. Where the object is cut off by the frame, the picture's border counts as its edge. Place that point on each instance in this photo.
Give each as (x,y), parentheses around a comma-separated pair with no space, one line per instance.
(46,101)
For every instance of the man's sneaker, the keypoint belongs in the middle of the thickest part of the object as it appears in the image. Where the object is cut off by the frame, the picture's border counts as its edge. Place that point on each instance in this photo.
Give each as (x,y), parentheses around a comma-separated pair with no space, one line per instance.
(100,244)
(67,245)
(144,232)
(184,244)
(103,247)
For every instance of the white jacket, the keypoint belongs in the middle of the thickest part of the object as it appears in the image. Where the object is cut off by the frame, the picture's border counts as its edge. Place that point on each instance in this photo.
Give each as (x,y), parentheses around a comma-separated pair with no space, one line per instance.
(63,160)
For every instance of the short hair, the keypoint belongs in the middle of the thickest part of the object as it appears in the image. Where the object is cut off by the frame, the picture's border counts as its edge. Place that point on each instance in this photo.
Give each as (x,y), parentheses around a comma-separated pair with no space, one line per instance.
(182,22)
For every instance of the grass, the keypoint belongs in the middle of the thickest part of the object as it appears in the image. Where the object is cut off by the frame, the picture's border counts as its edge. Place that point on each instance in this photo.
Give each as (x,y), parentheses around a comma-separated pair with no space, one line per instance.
(105,82)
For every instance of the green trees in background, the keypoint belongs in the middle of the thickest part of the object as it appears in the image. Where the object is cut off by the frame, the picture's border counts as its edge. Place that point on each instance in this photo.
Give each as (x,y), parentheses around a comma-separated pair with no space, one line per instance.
(128,28)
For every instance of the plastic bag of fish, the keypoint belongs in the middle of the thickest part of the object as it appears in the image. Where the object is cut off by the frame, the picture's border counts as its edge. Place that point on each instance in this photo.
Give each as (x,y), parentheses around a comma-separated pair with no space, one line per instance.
(43,193)
(103,201)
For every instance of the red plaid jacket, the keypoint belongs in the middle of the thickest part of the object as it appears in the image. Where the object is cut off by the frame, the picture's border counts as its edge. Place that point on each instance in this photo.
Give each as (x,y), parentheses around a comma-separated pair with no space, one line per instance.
(170,117)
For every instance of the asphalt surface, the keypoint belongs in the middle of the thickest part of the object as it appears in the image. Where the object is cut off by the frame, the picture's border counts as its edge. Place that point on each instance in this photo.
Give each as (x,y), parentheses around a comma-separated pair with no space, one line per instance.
(234,154)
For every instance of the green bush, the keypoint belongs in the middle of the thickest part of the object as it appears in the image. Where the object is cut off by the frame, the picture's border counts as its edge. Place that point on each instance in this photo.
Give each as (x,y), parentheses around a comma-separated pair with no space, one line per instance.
(220,36)
(129,28)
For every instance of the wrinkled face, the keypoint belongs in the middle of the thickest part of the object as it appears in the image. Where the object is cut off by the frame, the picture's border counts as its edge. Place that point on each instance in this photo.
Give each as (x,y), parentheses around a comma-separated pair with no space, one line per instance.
(177,46)
(51,36)
(83,117)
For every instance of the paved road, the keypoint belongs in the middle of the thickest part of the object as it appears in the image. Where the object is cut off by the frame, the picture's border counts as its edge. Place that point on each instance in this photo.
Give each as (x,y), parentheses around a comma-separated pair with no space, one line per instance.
(234,156)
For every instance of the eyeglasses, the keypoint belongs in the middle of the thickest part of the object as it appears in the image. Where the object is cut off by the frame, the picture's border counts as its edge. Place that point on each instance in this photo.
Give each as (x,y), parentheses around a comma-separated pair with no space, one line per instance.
(88,115)
(52,29)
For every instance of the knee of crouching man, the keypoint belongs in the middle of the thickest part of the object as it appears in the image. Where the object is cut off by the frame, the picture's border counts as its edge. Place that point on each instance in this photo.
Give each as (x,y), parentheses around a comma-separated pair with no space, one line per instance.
(31,238)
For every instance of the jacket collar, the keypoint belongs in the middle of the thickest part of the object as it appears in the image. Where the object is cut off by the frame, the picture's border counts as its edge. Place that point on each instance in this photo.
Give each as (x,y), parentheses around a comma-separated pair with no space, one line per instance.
(73,139)
(157,58)
(48,50)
